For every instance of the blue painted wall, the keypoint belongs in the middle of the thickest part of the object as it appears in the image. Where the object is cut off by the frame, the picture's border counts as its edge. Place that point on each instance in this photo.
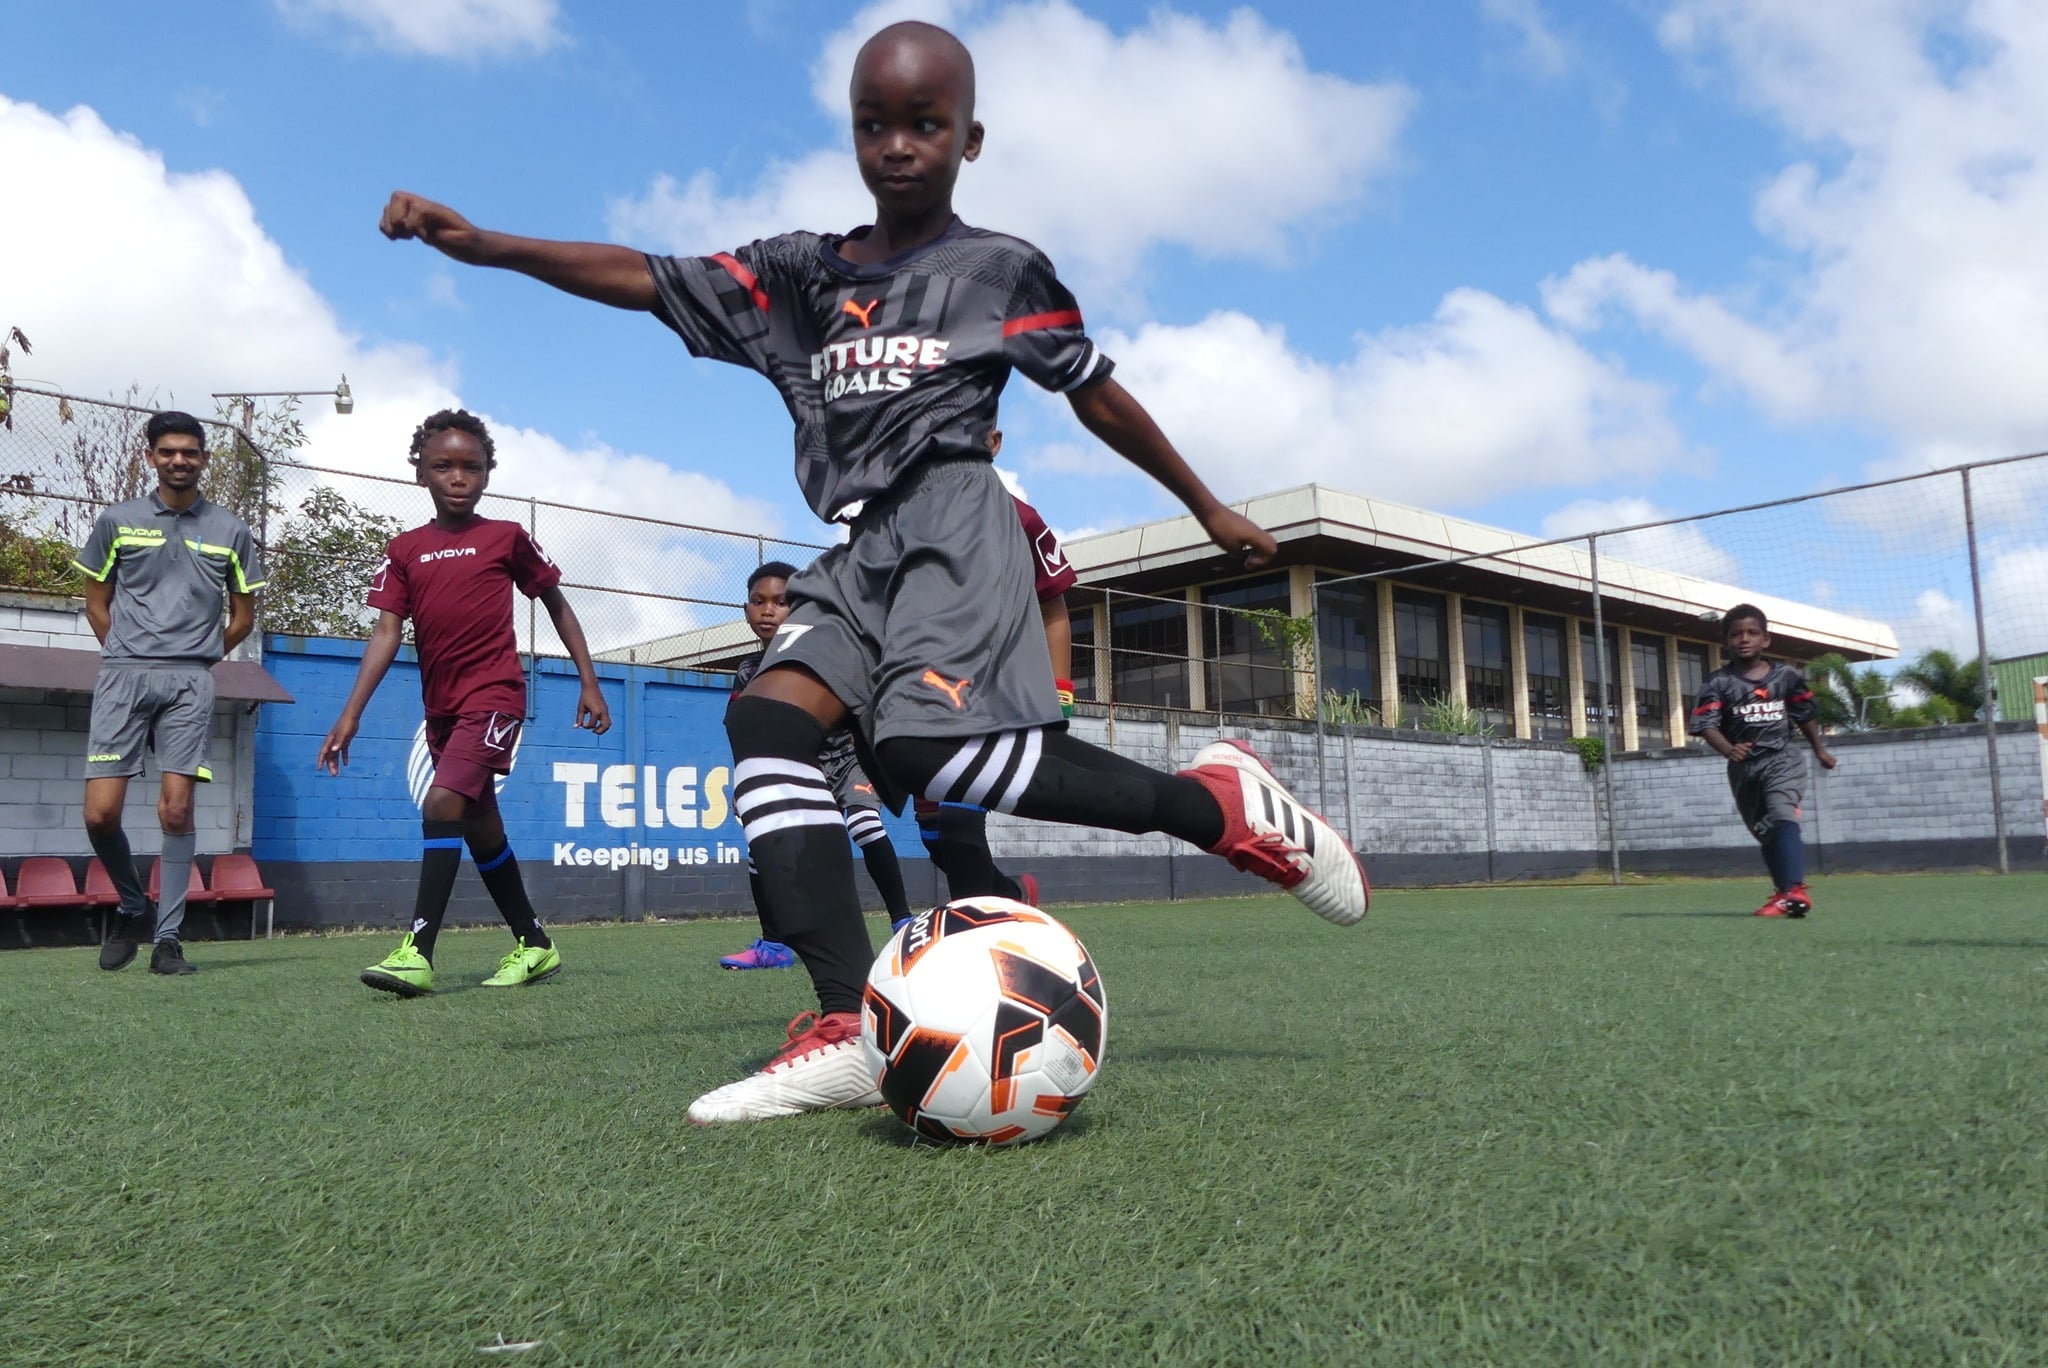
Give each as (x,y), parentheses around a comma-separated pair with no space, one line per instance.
(654,791)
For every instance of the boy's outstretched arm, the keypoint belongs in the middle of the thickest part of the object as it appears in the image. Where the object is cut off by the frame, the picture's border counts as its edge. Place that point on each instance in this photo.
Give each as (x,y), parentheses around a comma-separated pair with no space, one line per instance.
(385,640)
(602,271)
(1108,410)
(591,709)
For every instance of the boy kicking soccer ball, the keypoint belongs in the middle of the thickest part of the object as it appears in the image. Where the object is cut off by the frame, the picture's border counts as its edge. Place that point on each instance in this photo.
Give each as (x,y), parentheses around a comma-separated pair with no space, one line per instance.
(454,578)
(1746,712)
(890,346)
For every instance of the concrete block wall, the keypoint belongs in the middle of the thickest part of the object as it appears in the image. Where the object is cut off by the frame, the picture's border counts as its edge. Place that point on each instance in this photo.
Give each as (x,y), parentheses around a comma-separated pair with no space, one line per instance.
(42,781)
(44,620)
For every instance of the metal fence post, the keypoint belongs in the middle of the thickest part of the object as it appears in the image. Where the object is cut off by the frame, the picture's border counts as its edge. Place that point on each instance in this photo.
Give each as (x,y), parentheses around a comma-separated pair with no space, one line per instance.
(1486,783)
(1988,685)
(1606,729)
(1315,642)
(532,622)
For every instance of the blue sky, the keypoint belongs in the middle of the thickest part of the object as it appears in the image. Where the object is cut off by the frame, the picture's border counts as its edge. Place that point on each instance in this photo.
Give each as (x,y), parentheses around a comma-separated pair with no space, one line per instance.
(1548,266)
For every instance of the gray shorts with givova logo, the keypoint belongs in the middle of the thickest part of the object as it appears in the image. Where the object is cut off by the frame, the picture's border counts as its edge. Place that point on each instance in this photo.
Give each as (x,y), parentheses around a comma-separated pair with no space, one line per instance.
(925,623)
(166,706)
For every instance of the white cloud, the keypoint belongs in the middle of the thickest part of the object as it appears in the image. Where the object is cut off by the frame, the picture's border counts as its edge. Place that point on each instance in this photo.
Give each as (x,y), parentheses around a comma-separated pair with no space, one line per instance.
(1682,547)
(1481,401)
(1156,136)
(170,280)
(1919,300)
(1539,47)
(439,28)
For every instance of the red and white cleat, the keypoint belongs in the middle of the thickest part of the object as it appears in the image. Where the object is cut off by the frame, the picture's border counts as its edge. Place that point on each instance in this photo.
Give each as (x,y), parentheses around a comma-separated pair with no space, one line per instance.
(822,1068)
(1267,832)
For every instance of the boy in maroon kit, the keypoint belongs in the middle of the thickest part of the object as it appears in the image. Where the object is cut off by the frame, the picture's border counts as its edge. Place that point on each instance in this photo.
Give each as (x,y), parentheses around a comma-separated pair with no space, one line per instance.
(454,578)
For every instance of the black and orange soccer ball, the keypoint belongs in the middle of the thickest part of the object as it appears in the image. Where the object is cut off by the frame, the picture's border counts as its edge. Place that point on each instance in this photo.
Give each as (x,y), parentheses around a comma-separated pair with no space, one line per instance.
(984,1021)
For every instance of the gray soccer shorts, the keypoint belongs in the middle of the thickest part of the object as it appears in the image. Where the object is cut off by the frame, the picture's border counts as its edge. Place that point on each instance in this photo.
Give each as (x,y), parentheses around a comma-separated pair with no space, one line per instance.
(164,706)
(850,786)
(1769,788)
(925,622)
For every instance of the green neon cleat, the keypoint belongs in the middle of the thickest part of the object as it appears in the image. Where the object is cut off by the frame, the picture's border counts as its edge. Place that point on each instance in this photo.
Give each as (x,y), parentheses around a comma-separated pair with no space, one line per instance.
(404,971)
(527,964)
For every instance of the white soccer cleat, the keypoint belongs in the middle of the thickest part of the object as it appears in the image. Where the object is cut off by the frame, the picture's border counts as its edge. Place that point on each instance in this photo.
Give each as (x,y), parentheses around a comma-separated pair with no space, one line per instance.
(822,1068)
(1267,832)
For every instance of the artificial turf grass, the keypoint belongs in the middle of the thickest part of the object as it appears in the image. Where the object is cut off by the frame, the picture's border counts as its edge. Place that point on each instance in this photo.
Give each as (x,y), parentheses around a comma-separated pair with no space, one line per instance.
(1560,1125)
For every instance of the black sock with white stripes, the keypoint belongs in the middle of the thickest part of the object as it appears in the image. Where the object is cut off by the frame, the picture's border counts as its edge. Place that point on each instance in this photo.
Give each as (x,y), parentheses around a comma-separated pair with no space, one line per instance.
(797,839)
(1050,776)
(883,867)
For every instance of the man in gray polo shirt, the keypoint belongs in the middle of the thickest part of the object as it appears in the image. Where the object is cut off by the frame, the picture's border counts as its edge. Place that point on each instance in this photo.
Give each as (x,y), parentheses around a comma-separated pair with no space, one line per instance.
(158,570)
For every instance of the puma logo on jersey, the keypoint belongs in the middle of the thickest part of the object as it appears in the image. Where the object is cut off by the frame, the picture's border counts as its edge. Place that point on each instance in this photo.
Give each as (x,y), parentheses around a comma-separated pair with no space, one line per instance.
(860,311)
(949,689)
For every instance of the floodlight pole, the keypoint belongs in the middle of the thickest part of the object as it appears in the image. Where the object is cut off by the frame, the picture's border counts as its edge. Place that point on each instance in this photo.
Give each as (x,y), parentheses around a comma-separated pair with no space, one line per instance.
(1606,739)
(1986,684)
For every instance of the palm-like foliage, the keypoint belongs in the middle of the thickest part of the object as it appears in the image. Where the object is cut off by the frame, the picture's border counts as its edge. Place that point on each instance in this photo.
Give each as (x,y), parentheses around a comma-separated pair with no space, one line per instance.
(1943,678)
(1849,699)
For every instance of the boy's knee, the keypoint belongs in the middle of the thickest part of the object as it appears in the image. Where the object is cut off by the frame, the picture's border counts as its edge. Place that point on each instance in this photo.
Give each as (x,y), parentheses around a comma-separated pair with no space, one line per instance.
(101,818)
(174,814)
(444,805)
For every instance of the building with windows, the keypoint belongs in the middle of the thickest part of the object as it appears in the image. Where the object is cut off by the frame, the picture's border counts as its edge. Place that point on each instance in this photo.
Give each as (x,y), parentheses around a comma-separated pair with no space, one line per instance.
(1162,619)
(1159,621)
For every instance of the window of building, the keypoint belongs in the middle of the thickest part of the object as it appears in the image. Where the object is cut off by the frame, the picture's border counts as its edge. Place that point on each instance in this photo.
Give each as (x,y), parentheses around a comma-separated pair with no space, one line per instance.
(1653,689)
(1693,668)
(1249,670)
(1348,631)
(1148,652)
(1487,665)
(1081,623)
(1422,655)
(1549,684)
(1590,665)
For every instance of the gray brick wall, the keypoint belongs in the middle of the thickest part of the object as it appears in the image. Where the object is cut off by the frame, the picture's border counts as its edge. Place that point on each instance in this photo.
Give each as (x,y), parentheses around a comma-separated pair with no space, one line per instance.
(43,749)
(1410,795)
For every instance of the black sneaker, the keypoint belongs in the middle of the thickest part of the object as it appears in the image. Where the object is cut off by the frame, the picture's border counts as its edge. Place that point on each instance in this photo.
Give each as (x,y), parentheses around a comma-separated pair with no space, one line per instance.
(169,958)
(124,933)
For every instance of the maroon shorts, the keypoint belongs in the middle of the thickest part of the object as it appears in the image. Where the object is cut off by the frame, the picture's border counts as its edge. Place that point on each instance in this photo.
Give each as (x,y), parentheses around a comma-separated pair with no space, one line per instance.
(471,749)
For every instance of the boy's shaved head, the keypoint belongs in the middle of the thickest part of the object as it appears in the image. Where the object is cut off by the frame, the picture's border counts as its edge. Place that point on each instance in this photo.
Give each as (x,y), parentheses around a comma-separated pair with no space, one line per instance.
(926,51)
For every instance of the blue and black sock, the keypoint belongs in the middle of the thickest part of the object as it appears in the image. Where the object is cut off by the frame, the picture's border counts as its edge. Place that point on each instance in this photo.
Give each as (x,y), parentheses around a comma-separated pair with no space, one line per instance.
(440,860)
(1785,855)
(500,873)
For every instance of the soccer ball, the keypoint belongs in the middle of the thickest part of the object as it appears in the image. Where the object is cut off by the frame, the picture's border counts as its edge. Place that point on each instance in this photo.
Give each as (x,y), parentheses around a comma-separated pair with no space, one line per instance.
(984,1022)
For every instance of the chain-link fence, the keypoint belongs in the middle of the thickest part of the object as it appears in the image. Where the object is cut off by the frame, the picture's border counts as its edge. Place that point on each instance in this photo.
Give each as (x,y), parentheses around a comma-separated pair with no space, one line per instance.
(1906,600)
(638,583)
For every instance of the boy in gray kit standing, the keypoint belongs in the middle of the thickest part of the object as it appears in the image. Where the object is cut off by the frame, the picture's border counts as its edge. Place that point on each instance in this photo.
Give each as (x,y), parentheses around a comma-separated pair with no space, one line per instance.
(159,570)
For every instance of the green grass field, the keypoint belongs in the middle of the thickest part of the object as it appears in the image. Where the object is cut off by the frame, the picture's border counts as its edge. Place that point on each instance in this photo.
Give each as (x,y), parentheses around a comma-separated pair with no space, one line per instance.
(1556,1125)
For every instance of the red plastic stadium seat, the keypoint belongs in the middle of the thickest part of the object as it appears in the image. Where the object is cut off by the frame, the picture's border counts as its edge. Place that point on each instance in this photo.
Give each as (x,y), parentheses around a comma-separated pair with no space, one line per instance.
(99,886)
(6,893)
(237,879)
(196,890)
(45,881)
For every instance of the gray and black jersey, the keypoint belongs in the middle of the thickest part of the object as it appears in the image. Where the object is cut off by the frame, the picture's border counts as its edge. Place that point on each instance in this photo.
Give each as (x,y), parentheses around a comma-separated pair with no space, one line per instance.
(1762,712)
(172,571)
(941,325)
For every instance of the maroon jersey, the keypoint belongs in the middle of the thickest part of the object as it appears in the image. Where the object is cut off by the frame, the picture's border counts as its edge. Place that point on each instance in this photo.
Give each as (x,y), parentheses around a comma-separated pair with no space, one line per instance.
(456,586)
(1048,558)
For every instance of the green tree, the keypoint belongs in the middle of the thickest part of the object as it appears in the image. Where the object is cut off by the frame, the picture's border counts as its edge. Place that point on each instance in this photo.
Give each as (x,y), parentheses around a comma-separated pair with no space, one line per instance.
(1849,699)
(1945,680)
(31,558)
(321,564)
